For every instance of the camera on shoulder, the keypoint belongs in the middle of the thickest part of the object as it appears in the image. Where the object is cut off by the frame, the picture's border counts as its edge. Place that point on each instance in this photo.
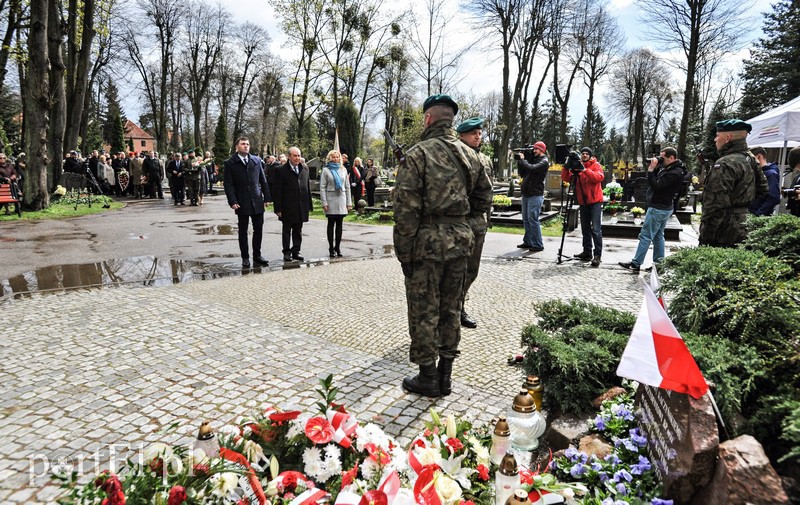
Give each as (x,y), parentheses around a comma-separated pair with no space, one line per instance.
(523,153)
(573,162)
(660,160)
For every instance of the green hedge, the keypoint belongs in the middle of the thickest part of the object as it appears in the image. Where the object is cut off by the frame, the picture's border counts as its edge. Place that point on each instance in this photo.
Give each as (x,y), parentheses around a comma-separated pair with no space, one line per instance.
(775,236)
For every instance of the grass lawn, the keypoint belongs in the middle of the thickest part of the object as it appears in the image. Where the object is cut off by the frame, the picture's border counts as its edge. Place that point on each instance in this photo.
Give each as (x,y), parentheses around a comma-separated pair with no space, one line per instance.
(59,210)
(551,228)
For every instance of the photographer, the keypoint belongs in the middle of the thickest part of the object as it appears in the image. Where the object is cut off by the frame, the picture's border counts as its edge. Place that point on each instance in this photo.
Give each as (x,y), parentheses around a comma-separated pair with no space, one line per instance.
(532,166)
(588,174)
(664,181)
(793,191)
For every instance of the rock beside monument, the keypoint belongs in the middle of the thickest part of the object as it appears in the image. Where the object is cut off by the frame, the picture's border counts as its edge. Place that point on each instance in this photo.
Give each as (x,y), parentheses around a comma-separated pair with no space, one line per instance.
(595,444)
(608,395)
(565,431)
(743,475)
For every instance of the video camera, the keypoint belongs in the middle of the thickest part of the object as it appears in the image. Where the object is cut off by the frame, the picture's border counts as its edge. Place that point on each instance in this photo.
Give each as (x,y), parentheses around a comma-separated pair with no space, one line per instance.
(650,160)
(574,163)
(524,152)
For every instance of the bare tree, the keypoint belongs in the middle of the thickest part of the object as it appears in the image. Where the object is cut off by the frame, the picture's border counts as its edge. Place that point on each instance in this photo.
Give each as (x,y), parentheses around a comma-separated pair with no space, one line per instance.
(250,40)
(12,11)
(435,59)
(36,95)
(80,36)
(702,30)
(204,41)
(604,41)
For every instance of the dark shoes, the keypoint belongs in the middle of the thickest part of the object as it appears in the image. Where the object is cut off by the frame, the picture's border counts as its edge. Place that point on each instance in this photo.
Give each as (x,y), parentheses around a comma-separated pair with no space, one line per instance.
(536,249)
(297,257)
(425,383)
(287,257)
(523,246)
(467,321)
(331,253)
(292,257)
(260,261)
(596,261)
(338,252)
(629,266)
(245,263)
(584,256)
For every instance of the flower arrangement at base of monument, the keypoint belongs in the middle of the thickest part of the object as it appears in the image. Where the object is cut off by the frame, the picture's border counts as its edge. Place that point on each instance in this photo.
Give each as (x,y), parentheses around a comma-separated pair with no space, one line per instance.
(326,456)
(626,475)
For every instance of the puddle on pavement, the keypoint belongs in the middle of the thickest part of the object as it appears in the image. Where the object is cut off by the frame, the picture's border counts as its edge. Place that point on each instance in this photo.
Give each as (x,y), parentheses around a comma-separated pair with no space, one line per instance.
(138,270)
(218,229)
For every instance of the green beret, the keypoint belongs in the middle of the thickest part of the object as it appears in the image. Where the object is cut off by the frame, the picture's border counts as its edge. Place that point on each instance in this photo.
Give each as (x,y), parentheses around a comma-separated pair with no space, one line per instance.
(733,125)
(470,124)
(440,100)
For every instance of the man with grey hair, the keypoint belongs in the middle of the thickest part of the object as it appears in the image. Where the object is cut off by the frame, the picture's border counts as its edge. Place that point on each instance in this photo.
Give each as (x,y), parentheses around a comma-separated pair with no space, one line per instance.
(292,201)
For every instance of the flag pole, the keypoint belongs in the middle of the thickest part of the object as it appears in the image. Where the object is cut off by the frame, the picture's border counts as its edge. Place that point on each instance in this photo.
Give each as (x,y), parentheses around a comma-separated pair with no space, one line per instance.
(718,414)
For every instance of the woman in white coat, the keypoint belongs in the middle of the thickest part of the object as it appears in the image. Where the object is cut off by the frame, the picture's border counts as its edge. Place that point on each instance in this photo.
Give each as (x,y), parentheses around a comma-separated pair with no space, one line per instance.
(334,192)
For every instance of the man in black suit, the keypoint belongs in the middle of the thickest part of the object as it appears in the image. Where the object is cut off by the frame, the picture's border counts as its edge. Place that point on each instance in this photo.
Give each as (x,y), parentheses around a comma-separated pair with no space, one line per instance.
(248,194)
(292,194)
(175,174)
(152,169)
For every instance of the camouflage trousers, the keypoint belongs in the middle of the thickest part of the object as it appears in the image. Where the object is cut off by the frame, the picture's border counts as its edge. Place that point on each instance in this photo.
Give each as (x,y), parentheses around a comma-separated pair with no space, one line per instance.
(434,296)
(474,260)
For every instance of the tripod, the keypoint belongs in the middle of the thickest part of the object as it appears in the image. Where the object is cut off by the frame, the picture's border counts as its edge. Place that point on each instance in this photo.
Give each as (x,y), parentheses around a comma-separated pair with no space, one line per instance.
(565,212)
(93,180)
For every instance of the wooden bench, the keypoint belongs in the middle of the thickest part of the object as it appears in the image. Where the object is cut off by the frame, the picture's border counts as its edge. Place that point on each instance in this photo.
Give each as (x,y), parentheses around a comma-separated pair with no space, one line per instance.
(8,195)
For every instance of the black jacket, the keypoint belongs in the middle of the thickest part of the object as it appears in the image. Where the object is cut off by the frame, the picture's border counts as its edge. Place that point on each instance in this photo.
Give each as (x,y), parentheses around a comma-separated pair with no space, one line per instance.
(533,175)
(246,185)
(152,168)
(663,184)
(292,194)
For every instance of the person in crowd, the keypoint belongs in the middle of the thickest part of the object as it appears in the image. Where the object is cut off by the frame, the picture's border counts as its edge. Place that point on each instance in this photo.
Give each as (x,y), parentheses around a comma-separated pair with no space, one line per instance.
(765,205)
(21,164)
(731,185)
(248,195)
(292,203)
(664,183)
(8,175)
(270,166)
(441,184)
(152,169)
(590,204)
(107,177)
(356,178)
(793,202)
(138,179)
(72,164)
(211,173)
(175,170)
(191,170)
(370,176)
(470,132)
(93,163)
(118,165)
(533,173)
(336,199)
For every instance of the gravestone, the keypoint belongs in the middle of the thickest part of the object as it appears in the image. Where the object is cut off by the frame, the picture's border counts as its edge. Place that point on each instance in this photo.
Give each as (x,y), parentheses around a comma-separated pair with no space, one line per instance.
(682,439)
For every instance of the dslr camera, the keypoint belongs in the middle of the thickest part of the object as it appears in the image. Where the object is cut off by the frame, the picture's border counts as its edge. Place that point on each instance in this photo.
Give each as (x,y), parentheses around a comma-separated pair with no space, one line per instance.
(660,160)
(525,152)
(790,192)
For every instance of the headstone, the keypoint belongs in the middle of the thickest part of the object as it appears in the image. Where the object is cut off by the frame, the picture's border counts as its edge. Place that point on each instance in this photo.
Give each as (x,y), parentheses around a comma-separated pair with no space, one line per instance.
(744,475)
(682,439)
(72,181)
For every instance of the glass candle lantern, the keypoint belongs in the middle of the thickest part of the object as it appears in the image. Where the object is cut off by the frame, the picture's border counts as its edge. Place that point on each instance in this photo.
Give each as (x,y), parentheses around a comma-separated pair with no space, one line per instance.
(527,424)
(501,440)
(206,441)
(535,388)
(506,479)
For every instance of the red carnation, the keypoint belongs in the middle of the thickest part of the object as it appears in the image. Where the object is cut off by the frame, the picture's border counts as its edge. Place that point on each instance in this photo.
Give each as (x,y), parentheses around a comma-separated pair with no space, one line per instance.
(319,430)
(201,470)
(454,444)
(177,495)
(289,482)
(157,466)
(483,473)
(113,488)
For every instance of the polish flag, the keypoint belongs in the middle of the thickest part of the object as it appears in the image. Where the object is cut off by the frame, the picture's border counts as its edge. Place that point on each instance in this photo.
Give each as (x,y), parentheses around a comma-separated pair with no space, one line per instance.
(655,285)
(656,354)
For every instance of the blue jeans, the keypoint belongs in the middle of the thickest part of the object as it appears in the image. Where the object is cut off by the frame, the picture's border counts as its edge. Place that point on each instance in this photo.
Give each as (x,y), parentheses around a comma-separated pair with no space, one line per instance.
(531,208)
(655,222)
(591,227)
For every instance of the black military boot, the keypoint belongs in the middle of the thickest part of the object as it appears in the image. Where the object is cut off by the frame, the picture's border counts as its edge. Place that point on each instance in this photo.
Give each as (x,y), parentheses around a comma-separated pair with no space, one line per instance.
(445,369)
(466,321)
(426,383)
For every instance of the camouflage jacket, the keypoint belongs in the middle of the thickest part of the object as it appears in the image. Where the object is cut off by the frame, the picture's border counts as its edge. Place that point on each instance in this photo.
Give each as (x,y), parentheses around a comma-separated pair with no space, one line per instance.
(431,202)
(730,187)
(477,219)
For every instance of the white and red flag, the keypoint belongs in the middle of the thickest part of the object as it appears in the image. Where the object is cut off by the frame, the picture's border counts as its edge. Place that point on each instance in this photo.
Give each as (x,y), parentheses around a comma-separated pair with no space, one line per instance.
(656,354)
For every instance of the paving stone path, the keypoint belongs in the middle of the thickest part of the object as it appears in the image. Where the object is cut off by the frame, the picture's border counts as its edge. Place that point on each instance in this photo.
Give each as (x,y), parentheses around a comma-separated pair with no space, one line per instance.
(86,369)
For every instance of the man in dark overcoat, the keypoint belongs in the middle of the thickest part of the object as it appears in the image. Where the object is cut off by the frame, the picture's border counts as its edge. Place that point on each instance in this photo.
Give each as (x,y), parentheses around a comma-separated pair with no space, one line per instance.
(292,197)
(248,194)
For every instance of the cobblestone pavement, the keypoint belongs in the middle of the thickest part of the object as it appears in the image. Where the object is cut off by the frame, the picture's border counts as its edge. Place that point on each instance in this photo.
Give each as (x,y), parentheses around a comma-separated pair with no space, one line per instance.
(87,369)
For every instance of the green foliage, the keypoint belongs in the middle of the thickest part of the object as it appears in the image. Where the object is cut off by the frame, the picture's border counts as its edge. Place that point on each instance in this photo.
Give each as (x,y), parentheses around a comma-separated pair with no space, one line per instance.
(777,237)
(577,364)
(349,125)
(5,147)
(791,430)
(117,139)
(222,145)
(556,315)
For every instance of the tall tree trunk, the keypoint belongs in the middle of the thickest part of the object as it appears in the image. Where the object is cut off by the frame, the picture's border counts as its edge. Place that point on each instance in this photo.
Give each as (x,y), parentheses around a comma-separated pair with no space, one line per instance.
(81,70)
(58,110)
(36,95)
(12,25)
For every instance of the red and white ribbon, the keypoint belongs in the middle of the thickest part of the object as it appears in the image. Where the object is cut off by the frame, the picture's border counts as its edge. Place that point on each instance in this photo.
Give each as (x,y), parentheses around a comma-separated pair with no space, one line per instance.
(310,497)
(344,425)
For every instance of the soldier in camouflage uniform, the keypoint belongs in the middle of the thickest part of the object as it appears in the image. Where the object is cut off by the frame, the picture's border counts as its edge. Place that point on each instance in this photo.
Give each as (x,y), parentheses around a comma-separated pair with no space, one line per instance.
(731,185)
(470,132)
(192,169)
(441,183)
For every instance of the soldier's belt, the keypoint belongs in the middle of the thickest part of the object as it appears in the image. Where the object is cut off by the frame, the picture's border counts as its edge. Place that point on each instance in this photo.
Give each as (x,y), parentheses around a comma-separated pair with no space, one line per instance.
(444,220)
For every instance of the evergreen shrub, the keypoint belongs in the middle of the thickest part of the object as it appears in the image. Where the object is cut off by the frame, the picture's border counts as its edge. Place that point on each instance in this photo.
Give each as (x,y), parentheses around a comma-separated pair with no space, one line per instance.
(777,237)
